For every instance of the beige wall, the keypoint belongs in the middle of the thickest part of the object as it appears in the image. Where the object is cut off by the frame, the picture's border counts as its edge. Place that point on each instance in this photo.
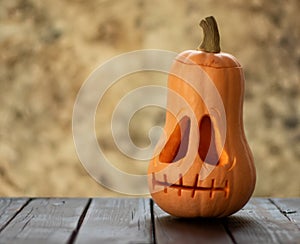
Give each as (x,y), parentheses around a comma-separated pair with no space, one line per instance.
(48,48)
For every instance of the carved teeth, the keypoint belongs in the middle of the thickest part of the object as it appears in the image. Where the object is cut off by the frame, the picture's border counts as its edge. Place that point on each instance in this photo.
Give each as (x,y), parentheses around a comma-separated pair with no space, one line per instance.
(180,186)
(195,185)
(211,193)
(226,189)
(166,184)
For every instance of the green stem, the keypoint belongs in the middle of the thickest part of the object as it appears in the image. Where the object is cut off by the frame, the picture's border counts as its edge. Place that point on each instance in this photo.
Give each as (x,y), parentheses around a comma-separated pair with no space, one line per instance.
(211,39)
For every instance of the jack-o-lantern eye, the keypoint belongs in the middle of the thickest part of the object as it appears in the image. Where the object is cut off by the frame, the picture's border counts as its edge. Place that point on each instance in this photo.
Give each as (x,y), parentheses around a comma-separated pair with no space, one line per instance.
(177,145)
(207,145)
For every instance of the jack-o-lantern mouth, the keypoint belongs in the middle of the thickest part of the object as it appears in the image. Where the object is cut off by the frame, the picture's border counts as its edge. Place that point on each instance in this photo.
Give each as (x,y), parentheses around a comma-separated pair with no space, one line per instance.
(195,187)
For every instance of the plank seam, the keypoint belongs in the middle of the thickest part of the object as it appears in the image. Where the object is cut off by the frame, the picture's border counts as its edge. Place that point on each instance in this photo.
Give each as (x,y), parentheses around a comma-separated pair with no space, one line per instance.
(224,223)
(15,215)
(79,223)
(152,220)
(282,212)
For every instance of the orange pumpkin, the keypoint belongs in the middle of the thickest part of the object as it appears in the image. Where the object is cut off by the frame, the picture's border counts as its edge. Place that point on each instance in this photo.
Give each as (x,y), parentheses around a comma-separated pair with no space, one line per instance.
(203,166)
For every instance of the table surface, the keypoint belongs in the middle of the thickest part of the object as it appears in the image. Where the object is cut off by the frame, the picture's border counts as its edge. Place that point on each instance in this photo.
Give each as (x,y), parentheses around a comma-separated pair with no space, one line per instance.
(139,220)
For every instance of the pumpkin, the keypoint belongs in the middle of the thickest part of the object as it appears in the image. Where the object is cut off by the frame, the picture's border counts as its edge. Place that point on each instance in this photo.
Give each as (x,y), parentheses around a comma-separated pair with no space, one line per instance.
(202,165)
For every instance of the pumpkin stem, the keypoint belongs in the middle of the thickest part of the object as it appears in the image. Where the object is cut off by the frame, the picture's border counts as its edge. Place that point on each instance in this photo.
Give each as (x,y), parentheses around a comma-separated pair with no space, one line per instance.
(211,39)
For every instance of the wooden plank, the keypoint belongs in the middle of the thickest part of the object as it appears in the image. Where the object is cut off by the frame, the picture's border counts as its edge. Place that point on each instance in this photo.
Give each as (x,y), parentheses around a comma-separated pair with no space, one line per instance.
(9,207)
(290,207)
(169,229)
(260,221)
(117,220)
(44,221)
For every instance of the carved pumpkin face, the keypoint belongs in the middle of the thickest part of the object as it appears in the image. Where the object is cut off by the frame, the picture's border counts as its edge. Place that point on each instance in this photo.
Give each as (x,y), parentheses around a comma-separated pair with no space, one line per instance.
(203,165)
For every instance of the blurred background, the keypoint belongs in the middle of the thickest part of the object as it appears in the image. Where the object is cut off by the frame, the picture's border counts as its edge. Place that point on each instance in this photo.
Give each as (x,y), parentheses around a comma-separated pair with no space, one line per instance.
(48,49)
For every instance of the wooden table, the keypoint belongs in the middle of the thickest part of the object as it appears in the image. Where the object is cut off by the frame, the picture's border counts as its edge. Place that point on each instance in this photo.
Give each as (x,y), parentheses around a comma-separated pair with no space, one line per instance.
(132,220)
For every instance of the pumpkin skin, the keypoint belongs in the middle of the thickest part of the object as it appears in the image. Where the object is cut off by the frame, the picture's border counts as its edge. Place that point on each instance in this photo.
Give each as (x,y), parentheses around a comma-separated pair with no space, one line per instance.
(220,177)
